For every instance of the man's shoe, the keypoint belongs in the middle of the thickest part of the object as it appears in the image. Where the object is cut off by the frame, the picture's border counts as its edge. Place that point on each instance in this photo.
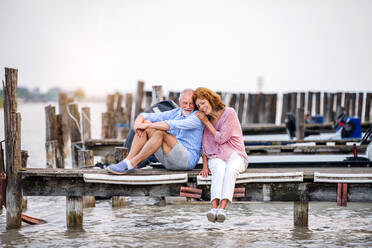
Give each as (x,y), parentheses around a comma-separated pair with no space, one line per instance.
(212,215)
(221,215)
(120,168)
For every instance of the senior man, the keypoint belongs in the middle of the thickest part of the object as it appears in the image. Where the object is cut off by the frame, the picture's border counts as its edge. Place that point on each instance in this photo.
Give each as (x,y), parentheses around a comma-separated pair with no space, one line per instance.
(174,137)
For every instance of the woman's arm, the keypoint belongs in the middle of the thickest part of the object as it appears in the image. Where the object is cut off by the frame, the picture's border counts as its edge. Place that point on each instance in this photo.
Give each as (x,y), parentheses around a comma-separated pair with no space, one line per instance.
(204,119)
(205,171)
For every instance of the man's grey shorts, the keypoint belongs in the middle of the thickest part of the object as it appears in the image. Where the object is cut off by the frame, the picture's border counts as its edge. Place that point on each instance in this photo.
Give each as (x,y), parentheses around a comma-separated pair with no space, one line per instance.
(176,159)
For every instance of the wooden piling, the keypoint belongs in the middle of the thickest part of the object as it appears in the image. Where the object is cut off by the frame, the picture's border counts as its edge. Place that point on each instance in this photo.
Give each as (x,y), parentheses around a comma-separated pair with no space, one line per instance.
(317,103)
(105,126)
(353,104)
(60,148)
(148,100)
(12,128)
(338,99)
(2,170)
(270,108)
(157,94)
(368,107)
(300,124)
(241,107)
(302,100)
(249,109)
(75,132)
(85,123)
(232,101)
(128,107)
(110,101)
(301,208)
(331,111)
(51,141)
(62,106)
(74,204)
(285,108)
(86,160)
(326,107)
(347,103)
(74,211)
(360,105)
(293,102)
(139,97)
(257,98)
(309,103)
(120,154)
(24,156)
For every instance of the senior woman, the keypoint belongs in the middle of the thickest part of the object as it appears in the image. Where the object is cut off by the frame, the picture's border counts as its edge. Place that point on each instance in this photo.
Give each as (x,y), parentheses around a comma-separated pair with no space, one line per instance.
(223,149)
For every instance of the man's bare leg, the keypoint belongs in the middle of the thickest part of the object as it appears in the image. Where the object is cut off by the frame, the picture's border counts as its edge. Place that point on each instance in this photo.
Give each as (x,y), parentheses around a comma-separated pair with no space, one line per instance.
(138,142)
(158,139)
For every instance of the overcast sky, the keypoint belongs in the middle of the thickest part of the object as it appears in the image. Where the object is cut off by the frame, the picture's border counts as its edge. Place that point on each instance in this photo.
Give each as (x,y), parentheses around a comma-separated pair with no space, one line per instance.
(104,46)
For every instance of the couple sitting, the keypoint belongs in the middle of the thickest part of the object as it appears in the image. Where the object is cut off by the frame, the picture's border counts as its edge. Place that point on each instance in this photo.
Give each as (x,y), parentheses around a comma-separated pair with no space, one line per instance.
(176,138)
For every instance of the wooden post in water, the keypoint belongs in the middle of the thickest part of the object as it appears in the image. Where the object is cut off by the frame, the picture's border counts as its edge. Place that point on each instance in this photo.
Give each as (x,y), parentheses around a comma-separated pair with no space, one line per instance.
(74,211)
(12,131)
(86,159)
(241,107)
(157,94)
(232,101)
(74,204)
(2,170)
(62,106)
(51,141)
(139,97)
(300,124)
(301,208)
(120,154)
(24,155)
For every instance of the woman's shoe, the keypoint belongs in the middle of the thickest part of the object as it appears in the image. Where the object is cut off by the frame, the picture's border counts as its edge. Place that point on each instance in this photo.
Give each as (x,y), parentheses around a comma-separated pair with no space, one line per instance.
(212,215)
(221,215)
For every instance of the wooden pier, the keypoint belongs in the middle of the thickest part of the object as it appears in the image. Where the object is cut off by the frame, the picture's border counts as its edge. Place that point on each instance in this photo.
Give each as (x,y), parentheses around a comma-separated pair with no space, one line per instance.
(287,183)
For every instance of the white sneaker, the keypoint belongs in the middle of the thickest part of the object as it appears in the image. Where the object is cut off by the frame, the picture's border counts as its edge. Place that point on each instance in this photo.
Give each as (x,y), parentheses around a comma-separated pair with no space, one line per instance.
(212,215)
(221,215)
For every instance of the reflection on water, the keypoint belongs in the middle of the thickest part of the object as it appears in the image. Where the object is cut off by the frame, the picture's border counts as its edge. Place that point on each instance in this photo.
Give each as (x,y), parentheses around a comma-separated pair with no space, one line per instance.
(143,224)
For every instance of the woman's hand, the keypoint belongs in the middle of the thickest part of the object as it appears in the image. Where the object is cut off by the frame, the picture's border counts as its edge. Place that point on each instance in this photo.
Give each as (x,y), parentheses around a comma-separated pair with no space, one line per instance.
(202,116)
(205,172)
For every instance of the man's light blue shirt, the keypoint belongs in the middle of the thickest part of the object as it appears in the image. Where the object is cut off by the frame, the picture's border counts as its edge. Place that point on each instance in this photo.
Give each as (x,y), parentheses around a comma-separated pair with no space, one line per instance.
(188,130)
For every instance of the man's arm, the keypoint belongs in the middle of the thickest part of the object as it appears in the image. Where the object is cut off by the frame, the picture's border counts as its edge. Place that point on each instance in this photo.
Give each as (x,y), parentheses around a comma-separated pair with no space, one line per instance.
(190,122)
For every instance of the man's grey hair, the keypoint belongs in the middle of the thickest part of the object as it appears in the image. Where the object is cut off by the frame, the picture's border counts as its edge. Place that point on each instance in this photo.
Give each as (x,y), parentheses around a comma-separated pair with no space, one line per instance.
(185,91)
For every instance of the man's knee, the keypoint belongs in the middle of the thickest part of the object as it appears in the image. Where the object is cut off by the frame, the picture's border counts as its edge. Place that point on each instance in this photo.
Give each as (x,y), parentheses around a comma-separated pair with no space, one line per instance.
(152,132)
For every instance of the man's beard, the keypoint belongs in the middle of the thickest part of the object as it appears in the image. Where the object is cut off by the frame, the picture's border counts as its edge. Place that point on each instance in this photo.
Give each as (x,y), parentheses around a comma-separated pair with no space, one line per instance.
(186,113)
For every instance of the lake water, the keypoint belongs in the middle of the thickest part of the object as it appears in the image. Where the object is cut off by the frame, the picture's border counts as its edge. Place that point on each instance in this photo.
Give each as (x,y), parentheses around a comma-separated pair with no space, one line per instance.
(142,223)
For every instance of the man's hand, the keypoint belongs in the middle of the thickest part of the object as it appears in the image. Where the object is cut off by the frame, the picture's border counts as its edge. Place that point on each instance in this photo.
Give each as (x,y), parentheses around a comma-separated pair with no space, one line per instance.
(202,116)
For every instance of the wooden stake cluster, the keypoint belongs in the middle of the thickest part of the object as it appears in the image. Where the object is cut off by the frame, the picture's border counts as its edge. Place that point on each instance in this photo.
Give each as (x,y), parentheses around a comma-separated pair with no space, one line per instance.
(115,122)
